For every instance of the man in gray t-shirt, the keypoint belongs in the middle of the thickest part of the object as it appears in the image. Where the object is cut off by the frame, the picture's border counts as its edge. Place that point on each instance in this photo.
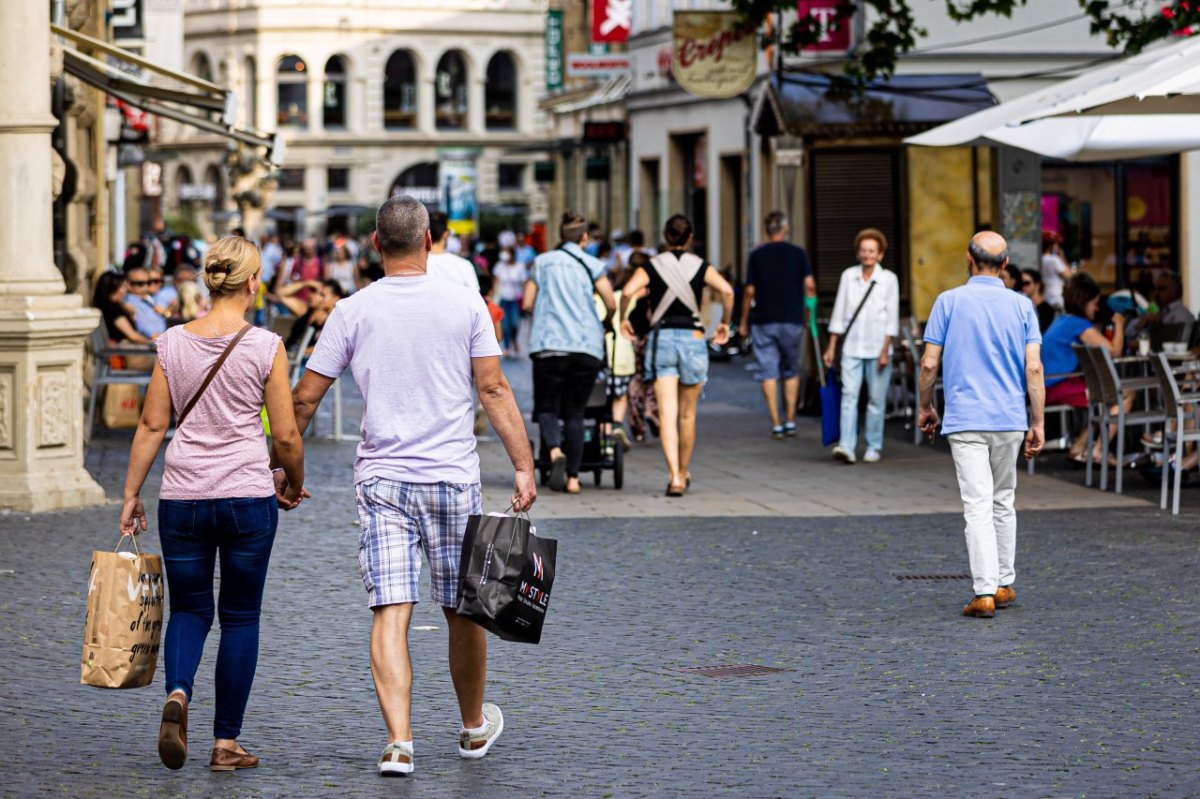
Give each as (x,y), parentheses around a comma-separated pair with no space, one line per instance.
(418,347)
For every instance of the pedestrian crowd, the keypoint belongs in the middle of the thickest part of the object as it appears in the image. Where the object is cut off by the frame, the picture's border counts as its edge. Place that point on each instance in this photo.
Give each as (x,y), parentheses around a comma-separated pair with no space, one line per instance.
(422,330)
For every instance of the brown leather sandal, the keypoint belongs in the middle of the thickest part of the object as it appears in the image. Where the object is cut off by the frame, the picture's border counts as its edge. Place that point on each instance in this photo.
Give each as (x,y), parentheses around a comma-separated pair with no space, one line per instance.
(231,760)
(172,733)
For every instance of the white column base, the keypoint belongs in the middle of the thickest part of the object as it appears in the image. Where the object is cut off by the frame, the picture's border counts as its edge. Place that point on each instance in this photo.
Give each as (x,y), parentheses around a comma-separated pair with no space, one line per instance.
(41,403)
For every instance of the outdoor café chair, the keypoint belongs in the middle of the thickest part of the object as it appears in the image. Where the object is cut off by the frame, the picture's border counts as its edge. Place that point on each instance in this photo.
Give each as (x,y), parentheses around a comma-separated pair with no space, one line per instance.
(1112,395)
(1064,414)
(1175,403)
(104,374)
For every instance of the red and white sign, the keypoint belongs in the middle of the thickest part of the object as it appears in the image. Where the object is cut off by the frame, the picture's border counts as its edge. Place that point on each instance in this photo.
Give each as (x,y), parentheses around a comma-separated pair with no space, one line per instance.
(586,65)
(825,12)
(611,21)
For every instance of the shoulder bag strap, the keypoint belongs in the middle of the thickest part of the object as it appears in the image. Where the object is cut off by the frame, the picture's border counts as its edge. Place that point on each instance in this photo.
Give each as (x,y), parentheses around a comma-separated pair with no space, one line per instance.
(216,367)
(857,311)
(580,261)
(677,275)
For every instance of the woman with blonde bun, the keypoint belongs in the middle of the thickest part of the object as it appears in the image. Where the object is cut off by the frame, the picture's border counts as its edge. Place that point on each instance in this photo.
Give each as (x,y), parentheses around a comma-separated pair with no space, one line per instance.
(218,496)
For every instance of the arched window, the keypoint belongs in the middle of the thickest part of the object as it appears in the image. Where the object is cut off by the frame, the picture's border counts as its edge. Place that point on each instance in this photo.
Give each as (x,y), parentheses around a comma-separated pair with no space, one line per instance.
(214,178)
(202,67)
(500,93)
(334,94)
(400,92)
(419,181)
(183,185)
(291,92)
(250,73)
(450,90)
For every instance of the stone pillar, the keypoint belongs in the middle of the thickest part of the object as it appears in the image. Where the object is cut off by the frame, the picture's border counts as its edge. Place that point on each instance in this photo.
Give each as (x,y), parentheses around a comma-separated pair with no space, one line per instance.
(1019,176)
(41,329)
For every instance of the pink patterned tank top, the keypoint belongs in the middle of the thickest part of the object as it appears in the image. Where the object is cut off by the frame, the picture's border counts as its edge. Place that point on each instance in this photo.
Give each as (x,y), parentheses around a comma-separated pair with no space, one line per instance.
(220,452)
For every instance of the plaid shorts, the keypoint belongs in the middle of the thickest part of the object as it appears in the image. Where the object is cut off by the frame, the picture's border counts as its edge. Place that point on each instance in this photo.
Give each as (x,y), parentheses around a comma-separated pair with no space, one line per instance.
(400,520)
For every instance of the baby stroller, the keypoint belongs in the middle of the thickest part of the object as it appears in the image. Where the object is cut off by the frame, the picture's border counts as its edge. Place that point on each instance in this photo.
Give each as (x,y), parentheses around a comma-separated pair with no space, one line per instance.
(601,452)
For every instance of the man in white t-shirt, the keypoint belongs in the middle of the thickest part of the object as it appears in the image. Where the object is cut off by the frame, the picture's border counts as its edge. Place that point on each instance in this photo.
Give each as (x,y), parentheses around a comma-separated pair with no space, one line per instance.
(443,264)
(418,347)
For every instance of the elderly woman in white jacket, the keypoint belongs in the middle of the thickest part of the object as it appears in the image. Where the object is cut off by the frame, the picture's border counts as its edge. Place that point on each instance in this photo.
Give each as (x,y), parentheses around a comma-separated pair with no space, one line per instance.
(874,294)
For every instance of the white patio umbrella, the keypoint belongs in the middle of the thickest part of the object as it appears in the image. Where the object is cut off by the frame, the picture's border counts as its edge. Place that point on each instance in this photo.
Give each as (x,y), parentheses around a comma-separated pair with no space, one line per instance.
(1144,105)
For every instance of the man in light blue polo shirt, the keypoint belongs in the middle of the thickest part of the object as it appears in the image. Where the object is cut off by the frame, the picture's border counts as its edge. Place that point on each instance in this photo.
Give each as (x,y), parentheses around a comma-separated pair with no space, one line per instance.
(993,356)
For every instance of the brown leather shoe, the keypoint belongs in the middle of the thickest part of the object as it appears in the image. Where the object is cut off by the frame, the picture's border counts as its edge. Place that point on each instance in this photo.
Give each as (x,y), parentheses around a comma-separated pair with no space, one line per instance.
(983,607)
(1005,596)
(229,760)
(172,732)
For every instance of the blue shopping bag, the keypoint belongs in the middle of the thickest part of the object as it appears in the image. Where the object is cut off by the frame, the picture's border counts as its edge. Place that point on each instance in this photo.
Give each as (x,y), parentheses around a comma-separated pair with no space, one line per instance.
(831,409)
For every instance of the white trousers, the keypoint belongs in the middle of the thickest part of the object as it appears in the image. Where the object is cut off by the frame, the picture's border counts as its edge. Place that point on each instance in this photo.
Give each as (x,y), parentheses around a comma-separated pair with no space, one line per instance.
(986,464)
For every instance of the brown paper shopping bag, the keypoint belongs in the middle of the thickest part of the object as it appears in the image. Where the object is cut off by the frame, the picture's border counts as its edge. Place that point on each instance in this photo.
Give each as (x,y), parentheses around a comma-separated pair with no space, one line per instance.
(122,406)
(123,627)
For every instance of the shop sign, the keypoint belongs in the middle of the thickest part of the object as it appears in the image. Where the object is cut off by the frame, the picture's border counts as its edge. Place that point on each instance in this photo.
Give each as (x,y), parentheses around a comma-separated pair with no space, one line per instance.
(713,56)
(554,50)
(586,65)
(825,12)
(603,132)
(197,191)
(611,20)
(126,20)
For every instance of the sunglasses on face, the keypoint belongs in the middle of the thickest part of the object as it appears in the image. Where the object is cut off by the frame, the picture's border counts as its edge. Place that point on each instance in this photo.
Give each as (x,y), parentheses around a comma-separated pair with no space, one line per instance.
(151,282)
(1026,282)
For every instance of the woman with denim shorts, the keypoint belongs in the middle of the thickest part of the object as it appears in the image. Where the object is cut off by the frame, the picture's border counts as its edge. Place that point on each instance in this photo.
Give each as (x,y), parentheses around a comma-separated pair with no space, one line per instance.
(218,498)
(676,350)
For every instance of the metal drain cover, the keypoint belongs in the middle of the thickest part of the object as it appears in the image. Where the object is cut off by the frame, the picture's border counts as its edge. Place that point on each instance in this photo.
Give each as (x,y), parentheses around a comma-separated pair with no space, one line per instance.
(733,670)
(934,576)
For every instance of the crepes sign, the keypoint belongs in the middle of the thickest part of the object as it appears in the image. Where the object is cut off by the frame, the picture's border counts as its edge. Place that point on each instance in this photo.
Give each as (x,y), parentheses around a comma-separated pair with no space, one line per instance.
(712,55)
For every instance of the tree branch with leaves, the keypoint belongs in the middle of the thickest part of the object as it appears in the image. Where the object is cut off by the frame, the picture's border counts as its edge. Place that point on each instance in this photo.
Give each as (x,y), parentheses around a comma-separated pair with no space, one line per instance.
(1128,25)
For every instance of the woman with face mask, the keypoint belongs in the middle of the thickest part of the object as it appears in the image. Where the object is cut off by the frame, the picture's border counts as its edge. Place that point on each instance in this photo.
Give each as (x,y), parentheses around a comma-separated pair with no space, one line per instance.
(511,277)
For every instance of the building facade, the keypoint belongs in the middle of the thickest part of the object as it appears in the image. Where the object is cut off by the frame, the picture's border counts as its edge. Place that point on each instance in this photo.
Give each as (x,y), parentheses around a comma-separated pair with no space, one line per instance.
(373,99)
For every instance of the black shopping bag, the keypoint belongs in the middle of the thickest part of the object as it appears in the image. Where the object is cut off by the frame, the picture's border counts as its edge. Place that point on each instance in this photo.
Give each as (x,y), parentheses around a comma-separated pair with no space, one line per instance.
(505,576)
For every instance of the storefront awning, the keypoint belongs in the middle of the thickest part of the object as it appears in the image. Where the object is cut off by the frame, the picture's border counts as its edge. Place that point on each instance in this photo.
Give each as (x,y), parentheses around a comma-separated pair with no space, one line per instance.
(610,91)
(1140,106)
(188,99)
(809,104)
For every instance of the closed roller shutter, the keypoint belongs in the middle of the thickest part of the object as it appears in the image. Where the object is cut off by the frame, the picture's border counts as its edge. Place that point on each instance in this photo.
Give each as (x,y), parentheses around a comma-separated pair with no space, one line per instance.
(852,190)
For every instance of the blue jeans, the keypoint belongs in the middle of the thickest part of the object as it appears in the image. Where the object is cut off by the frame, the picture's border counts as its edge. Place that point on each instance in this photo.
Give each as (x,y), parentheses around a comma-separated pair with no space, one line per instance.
(193,533)
(510,325)
(853,372)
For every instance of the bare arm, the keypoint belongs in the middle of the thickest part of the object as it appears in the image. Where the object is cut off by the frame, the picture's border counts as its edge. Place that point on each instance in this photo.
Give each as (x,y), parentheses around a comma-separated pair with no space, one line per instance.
(307,395)
(287,446)
(927,416)
(498,402)
(129,331)
(713,279)
(287,296)
(530,297)
(748,294)
(1094,338)
(810,286)
(1035,384)
(151,429)
(629,294)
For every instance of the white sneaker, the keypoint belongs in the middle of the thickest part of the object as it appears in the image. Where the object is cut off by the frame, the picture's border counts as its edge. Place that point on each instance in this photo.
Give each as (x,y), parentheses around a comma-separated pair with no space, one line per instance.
(474,745)
(397,758)
(871,456)
(844,455)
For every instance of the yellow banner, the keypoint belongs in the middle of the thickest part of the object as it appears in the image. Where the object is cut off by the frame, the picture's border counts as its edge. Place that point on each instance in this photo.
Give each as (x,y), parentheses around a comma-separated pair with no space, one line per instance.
(711,57)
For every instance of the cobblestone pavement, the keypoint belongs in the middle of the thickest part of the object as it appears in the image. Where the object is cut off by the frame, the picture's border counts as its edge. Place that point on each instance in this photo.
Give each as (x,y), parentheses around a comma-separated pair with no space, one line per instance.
(738,470)
(1085,688)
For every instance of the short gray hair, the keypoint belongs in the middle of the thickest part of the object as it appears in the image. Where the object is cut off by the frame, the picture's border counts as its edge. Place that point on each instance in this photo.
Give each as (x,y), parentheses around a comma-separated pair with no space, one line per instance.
(985,259)
(401,225)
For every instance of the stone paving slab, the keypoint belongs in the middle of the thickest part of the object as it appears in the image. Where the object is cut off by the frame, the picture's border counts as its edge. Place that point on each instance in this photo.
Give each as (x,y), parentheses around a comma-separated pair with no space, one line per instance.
(1085,688)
